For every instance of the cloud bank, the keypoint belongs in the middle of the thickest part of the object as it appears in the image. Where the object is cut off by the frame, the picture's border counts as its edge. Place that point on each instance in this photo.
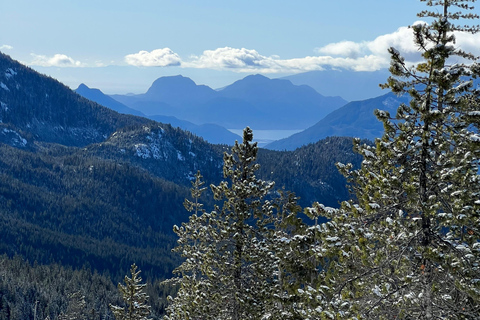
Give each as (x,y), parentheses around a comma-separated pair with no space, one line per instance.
(363,56)
(157,58)
(58,60)
(357,56)
(6,47)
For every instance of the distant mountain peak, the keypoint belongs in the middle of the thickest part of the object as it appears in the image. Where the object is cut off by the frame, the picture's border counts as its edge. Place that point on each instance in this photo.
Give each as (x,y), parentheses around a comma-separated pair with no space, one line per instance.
(258,79)
(82,86)
(171,89)
(172,82)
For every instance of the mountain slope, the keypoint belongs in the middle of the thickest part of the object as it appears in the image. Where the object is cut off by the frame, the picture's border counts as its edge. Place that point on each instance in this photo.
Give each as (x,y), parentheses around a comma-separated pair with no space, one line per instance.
(171,90)
(99,97)
(294,107)
(66,208)
(210,132)
(39,108)
(356,119)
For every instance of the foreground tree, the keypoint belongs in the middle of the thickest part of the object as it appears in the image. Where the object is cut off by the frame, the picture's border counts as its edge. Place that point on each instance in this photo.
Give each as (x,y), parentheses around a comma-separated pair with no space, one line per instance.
(232,268)
(135,298)
(410,247)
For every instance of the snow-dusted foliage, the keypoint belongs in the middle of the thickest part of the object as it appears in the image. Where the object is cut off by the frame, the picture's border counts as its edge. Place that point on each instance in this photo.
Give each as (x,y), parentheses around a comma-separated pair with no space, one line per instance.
(234,267)
(135,298)
(409,247)
(77,308)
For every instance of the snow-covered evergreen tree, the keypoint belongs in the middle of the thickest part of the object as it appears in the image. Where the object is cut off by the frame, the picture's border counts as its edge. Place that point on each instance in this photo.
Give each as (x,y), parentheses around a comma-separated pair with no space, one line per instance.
(76,309)
(195,244)
(410,247)
(233,266)
(135,298)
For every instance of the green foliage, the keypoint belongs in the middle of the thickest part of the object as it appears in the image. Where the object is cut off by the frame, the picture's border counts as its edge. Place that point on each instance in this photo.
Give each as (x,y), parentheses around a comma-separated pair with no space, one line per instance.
(310,171)
(134,297)
(409,249)
(86,212)
(53,291)
(232,268)
(76,309)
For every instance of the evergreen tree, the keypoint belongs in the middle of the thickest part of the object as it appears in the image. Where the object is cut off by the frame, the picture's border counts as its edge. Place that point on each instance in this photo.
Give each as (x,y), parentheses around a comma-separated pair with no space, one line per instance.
(76,309)
(410,247)
(135,298)
(195,245)
(231,269)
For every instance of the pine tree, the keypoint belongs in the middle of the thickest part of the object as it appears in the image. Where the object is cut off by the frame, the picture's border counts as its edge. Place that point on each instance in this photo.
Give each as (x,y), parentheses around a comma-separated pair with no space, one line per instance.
(410,247)
(76,309)
(195,244)
(135,298)
(232,267)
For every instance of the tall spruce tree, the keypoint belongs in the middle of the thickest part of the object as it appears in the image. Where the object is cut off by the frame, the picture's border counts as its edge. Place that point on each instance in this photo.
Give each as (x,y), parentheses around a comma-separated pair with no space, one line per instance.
(232,266)
(409,248)
(76,309)
(135,298)
(196,245)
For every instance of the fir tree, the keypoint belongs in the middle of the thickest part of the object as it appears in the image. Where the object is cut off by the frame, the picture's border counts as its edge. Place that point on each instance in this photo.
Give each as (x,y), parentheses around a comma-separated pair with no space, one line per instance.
(135,298)
(195,245)
(410,247)
(76,309)
(232,267)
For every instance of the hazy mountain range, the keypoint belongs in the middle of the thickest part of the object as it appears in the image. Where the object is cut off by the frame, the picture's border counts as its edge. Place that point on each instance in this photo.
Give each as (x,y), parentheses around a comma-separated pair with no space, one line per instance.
(355,119)
(255,101)
(273,99)
(212,133)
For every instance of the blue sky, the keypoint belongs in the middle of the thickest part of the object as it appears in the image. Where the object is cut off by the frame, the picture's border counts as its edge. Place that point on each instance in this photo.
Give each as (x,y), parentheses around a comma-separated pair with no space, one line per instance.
(124,45)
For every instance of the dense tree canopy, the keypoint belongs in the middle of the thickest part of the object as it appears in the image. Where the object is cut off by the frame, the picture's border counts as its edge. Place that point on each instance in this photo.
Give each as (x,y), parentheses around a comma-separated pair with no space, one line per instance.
(410,248)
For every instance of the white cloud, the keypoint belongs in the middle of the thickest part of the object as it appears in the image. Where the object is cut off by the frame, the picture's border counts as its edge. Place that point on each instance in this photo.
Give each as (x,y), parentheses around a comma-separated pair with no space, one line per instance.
(348,49)
(157,58)
(58,60)
(358,56)
(248,60)
(6,47)
(373,55)
(232,58)
(468,42)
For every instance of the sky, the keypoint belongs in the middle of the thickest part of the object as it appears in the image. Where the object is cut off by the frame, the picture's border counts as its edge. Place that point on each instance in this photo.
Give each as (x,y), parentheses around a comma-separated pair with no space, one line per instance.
(122,46)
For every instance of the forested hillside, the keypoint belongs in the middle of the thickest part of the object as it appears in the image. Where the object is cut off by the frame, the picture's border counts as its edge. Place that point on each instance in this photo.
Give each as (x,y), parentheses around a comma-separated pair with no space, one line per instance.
(35,107)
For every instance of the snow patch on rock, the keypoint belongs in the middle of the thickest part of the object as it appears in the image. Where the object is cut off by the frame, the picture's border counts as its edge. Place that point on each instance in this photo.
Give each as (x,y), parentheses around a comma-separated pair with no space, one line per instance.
(16,139)
(4,86)
(10,73)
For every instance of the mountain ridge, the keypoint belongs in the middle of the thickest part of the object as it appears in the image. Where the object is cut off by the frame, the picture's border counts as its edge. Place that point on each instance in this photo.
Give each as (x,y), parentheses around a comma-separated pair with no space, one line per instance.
(54,114)
(254,101)
(355,119)
(210,132)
